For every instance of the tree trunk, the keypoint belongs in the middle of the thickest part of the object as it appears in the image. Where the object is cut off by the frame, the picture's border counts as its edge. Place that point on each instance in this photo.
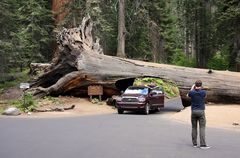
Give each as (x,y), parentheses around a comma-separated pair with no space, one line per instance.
(187,43)
(154,36)
(56,8)
(121,29)
(81,63)
(235,55)
(162,52)
(158,43)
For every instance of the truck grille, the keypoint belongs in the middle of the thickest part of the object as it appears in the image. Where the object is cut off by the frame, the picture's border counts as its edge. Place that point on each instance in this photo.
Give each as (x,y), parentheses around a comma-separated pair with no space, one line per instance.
(129,100)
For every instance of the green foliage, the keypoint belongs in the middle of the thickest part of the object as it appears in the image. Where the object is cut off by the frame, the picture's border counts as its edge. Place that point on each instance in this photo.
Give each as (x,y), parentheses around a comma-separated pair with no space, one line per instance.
(195,21)
(170,89)
(226,32)
(139,15)
(26,104)
(148,80)
(1,109)
(218,62)
(53,100)
(7,22)
(205,27)
(13,78)
(180,59)
(3,106)
(35,31)
(25,33)
(96,101)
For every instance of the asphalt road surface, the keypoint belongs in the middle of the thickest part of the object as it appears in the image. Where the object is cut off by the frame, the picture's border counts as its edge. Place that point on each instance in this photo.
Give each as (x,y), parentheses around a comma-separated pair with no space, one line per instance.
(130,135)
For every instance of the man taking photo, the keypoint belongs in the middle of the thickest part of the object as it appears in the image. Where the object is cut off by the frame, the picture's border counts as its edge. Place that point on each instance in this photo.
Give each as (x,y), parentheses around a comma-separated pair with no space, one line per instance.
(198,95)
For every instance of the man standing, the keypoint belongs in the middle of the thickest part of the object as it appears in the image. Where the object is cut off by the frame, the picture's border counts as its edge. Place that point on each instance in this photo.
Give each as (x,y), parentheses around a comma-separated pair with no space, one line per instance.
(197,95)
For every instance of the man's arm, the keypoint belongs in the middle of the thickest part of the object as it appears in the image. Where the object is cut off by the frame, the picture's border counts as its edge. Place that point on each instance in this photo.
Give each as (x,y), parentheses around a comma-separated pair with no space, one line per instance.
(205,94)
(189,93)
(192,88)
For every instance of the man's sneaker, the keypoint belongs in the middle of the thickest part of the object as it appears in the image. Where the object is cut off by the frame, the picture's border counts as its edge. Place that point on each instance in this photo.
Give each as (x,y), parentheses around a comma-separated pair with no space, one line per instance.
(204,147)
(195,145)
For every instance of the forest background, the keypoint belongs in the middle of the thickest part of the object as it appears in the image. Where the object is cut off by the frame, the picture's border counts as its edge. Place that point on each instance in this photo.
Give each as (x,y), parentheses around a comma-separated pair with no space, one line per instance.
(193,33)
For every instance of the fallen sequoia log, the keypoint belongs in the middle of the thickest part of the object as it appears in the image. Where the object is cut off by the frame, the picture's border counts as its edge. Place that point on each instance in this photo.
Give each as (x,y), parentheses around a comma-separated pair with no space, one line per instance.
(60,109)
(81,63)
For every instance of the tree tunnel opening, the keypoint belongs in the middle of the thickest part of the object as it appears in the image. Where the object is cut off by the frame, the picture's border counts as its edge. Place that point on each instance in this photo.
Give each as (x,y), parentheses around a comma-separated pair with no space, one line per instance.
(123,84)
(171,89)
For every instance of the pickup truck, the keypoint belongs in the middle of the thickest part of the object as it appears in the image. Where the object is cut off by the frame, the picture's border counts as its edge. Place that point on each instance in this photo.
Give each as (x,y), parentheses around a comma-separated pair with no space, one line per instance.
(140,98)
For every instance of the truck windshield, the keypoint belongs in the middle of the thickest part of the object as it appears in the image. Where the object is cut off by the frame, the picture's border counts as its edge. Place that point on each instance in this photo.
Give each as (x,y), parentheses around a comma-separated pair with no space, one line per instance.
(136,90)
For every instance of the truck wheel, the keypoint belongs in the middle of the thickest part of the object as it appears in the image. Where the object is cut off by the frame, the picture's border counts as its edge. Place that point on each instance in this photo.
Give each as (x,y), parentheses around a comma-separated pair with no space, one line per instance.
(146,110)
(158,109)
(120,111)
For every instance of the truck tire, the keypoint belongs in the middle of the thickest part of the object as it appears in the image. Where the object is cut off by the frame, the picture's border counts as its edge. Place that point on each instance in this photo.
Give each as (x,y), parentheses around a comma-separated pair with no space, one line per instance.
(120,111)
(146,109)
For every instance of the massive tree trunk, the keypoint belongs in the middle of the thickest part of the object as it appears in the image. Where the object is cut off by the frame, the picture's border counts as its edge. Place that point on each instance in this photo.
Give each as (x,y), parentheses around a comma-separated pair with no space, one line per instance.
(154,36)
(81,63)
(121,29)
(236,52)
(158,43)
(56,8)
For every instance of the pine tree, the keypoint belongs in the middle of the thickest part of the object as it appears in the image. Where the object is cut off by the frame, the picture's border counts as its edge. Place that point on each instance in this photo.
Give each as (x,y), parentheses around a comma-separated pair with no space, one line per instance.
(35,32)
(8,22)
(227,34)
(196,25)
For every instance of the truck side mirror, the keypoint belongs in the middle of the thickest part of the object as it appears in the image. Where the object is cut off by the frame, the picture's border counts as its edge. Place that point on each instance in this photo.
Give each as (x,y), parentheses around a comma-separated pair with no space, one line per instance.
(152,93)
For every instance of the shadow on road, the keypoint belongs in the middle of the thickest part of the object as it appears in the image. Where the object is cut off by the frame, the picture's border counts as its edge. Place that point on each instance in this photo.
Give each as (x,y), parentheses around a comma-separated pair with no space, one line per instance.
(173,105)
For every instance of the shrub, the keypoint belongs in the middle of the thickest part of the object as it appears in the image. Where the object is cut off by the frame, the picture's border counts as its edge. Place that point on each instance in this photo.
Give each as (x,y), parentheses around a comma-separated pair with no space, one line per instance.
(179,58)
(13,79)
(171,90)
(26,104)
(218,62)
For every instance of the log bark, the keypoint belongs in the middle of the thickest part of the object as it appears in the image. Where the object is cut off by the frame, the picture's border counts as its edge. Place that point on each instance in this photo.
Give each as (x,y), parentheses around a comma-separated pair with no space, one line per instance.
(81,63)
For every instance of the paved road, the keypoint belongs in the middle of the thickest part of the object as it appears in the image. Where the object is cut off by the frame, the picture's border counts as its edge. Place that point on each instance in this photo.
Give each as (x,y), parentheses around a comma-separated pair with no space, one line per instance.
(110,136)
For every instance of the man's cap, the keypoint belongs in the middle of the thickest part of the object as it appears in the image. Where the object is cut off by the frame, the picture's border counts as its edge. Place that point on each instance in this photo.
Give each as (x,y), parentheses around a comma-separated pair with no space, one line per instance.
(198,83)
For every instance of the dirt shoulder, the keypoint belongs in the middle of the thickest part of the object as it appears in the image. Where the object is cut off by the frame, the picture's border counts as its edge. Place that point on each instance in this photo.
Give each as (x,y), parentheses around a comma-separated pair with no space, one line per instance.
(217,116)
(82,107)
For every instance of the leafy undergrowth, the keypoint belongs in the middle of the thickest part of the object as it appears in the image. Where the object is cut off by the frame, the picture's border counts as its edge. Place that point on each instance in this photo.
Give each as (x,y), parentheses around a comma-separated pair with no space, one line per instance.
(3,106)
(27,103)
(170,88)
(13,79)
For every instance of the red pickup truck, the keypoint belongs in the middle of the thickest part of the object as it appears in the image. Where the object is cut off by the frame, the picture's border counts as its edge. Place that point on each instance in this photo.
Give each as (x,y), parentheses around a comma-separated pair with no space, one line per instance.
(140,98)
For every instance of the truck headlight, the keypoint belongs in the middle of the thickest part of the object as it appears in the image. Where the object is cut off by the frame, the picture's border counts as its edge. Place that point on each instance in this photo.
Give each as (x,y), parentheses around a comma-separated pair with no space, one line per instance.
(118,99)
(141,99)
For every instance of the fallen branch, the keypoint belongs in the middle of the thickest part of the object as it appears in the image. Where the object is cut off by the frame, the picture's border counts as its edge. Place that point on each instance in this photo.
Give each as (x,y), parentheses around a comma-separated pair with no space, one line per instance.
(60,109)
